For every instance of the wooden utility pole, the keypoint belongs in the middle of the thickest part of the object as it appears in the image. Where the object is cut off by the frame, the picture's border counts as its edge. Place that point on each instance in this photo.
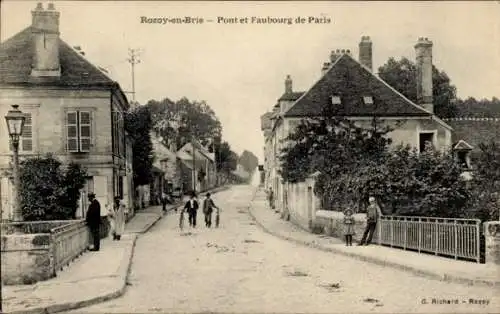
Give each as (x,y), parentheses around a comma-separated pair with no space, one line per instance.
(194,165)
(133,60)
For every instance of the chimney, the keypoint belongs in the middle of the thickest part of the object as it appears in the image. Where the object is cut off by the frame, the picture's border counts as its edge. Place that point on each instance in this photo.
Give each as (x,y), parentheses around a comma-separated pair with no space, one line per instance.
(365,52)
(423,51)
(45,29)
(288,85)
(325,68)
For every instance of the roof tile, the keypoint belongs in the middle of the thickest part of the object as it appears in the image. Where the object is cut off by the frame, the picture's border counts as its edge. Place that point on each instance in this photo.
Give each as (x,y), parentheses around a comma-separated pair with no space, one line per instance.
(16,58)
(351,81)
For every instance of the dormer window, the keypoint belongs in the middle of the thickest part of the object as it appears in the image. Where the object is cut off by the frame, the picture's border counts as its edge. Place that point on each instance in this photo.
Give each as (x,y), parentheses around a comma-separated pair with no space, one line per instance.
(368,100)
(336,100)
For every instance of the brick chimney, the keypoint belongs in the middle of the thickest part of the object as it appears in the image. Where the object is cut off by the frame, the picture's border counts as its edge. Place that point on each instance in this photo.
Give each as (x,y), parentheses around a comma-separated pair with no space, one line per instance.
(365,52)
(288,85)
(325,68)
(423,51)
(45,29)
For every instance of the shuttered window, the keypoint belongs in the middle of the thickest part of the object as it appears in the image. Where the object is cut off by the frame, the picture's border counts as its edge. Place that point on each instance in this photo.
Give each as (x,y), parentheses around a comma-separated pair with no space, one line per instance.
(27,135)
(79,131)
(85,130)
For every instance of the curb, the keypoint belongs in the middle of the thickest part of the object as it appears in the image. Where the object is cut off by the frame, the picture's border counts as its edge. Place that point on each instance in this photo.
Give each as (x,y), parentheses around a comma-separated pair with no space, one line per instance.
(80,304)
(410,269)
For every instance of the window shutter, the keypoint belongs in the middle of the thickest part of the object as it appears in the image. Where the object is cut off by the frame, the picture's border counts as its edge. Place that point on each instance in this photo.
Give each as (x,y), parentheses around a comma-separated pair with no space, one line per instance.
(72,131)
(27,136)
(85,121)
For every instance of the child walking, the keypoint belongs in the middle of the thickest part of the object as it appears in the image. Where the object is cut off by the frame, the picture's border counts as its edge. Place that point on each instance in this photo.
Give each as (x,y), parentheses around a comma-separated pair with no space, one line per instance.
(348,226)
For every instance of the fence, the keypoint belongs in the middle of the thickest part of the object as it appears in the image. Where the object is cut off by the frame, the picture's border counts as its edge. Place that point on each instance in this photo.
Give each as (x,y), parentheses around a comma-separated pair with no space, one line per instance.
(68,242)
(458,238)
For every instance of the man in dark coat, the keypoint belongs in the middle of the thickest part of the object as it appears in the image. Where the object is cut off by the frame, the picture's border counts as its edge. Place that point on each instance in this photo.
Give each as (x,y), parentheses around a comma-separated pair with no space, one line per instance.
(192,208)
(93,219)
(208,207)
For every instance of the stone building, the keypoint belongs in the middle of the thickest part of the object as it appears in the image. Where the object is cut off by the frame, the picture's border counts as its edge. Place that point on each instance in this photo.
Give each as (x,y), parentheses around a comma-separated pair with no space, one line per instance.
(355,92)
(73,110)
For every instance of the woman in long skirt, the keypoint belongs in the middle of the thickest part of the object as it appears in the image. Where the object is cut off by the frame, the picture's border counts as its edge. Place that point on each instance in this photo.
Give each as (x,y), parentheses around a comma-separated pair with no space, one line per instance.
(118,219)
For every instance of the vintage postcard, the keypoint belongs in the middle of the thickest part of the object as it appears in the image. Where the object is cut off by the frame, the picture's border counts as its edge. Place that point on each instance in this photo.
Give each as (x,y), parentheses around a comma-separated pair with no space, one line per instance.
(250,157)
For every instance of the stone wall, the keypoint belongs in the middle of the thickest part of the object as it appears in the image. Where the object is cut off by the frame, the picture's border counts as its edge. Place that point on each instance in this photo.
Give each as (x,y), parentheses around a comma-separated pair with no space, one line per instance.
(492,242)
(33,251)
(331,224)
(26,258)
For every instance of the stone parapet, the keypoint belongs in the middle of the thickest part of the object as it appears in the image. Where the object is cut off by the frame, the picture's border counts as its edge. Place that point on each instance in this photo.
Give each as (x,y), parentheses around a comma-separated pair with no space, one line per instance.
(492,242)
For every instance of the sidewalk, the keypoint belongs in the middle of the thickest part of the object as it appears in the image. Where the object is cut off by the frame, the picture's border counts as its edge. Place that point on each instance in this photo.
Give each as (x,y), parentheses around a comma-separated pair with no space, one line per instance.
(92,278)
(430,266)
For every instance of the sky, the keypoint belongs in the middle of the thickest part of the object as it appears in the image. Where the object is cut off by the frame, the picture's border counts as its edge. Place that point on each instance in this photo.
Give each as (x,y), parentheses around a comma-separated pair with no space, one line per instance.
(239,68)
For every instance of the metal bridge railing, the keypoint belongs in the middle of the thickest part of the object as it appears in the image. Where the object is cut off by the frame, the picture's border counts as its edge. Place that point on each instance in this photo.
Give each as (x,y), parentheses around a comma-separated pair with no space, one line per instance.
(457,238)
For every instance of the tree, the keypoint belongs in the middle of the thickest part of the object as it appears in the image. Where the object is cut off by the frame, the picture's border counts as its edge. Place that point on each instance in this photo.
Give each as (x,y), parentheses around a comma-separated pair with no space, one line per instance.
(402,76)
(47,191)
(138,124)
(249,161)
(484,108)
(226,160)
(176,122)
(485,200)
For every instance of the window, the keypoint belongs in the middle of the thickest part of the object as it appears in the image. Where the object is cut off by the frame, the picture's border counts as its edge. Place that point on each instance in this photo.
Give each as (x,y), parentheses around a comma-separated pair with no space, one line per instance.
(118,134)
(336,100)
(27,136)
(79,131)
(368,100)
(426,140)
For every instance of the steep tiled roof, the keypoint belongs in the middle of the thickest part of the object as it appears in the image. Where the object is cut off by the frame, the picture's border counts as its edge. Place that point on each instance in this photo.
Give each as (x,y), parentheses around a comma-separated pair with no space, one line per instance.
(351,81)
(16,58)
(475,130)
(291,96)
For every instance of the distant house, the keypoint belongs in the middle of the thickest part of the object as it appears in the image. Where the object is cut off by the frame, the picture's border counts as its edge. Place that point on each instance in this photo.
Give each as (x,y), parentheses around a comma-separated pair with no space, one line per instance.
(168,162)
(73,110)
(197,165)
(350,86)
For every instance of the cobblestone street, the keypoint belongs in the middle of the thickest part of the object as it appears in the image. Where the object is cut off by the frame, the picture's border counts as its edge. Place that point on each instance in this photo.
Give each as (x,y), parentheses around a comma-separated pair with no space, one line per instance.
(240,268)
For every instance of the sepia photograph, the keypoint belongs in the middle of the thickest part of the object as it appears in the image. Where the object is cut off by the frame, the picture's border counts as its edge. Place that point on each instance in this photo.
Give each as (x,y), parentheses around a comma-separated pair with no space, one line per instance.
(249,156)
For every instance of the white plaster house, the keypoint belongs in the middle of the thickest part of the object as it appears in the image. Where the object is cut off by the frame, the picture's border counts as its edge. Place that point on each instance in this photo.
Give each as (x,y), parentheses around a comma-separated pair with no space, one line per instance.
(73,110)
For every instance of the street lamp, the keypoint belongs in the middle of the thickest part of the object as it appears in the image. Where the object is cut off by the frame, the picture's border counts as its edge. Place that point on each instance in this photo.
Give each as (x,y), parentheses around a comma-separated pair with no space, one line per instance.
(15,122)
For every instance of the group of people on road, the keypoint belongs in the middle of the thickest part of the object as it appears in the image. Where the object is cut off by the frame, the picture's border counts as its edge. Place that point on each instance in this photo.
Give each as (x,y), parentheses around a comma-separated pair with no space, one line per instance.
(191,207)
(115,215)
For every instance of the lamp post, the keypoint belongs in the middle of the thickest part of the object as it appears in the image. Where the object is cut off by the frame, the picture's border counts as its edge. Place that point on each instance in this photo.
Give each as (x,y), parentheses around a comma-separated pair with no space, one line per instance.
(15,122)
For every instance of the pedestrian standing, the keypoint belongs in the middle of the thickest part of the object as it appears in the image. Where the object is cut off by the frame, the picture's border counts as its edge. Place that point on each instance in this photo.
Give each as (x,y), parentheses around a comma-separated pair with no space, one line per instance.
(191,207)
(271,198)
(372,213)
(208,207)
(348,226)
(93,220)
(117,219)
(164,198)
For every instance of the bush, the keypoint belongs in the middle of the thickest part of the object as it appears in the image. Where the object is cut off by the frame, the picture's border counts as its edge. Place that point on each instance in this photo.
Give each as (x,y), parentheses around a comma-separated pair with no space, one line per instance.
(47,191)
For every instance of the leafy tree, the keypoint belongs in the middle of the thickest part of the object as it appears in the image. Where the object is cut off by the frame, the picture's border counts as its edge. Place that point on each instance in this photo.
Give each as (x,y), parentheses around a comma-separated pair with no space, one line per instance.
(138,124)
(485,201)
(47,191)
(179,121)
(225,158)
(484,108)
(402,75)
(249,161)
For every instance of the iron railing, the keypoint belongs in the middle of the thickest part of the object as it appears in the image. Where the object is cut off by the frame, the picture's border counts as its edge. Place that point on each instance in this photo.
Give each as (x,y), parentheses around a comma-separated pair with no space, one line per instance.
(457,238)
